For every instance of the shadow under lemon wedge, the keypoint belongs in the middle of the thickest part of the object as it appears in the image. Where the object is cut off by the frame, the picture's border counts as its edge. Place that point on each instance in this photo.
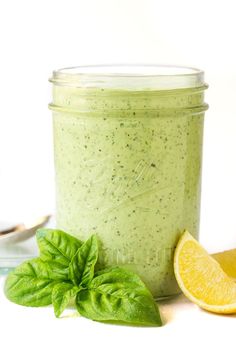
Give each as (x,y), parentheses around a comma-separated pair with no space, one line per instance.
(201,277)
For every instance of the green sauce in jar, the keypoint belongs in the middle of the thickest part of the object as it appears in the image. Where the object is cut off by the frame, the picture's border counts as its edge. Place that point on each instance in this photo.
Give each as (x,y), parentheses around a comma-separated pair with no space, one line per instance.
(128,150)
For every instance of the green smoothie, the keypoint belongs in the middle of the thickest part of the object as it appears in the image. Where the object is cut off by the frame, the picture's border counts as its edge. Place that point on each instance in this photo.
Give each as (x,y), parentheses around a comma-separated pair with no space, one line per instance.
(128,168)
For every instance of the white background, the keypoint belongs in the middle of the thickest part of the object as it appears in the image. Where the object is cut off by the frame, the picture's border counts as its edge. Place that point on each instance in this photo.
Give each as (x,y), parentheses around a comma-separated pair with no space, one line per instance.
(39,36)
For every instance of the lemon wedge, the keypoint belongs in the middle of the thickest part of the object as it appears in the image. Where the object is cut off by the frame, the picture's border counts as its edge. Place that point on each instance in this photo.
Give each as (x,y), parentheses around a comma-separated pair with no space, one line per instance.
(201,278)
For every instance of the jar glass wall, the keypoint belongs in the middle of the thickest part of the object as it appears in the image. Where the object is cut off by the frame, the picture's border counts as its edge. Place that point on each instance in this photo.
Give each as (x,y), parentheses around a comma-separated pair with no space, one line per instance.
(128,151)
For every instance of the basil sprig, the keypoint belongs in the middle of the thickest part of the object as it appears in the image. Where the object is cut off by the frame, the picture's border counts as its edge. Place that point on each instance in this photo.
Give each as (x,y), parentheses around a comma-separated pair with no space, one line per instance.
(65,272)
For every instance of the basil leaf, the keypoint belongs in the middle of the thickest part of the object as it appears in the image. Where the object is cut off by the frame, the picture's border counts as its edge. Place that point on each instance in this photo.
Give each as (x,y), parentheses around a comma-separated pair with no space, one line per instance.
(81,268)
(118,295)
(57,245)
(31,283)
(62,294)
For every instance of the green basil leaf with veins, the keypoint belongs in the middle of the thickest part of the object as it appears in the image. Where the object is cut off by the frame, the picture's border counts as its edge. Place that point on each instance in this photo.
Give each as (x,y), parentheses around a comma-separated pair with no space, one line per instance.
(32,282)
(117,295)
(57,245)
(81,268)
(62,294)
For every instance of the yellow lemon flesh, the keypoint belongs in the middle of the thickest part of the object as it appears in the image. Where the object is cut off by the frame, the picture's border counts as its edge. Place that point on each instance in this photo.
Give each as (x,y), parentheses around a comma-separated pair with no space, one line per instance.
(227,260)
(201,277)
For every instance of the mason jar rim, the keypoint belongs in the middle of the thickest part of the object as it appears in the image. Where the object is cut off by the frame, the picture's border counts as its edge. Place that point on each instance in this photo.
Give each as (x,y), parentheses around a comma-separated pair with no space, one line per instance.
(130,76)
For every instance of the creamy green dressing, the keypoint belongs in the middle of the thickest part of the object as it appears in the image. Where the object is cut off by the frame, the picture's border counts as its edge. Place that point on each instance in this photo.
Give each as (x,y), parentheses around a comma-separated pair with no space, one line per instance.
(128,168)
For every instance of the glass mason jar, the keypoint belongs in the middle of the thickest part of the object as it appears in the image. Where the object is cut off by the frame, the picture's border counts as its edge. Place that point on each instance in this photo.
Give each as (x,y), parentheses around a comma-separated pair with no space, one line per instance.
(128,150)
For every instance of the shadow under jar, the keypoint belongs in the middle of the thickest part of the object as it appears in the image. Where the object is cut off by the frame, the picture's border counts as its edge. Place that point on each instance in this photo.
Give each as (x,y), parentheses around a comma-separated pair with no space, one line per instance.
(128,150)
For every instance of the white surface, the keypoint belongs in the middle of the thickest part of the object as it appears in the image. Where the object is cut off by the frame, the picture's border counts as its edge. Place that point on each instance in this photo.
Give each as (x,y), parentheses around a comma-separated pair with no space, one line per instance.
(187,330)
(40,36)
